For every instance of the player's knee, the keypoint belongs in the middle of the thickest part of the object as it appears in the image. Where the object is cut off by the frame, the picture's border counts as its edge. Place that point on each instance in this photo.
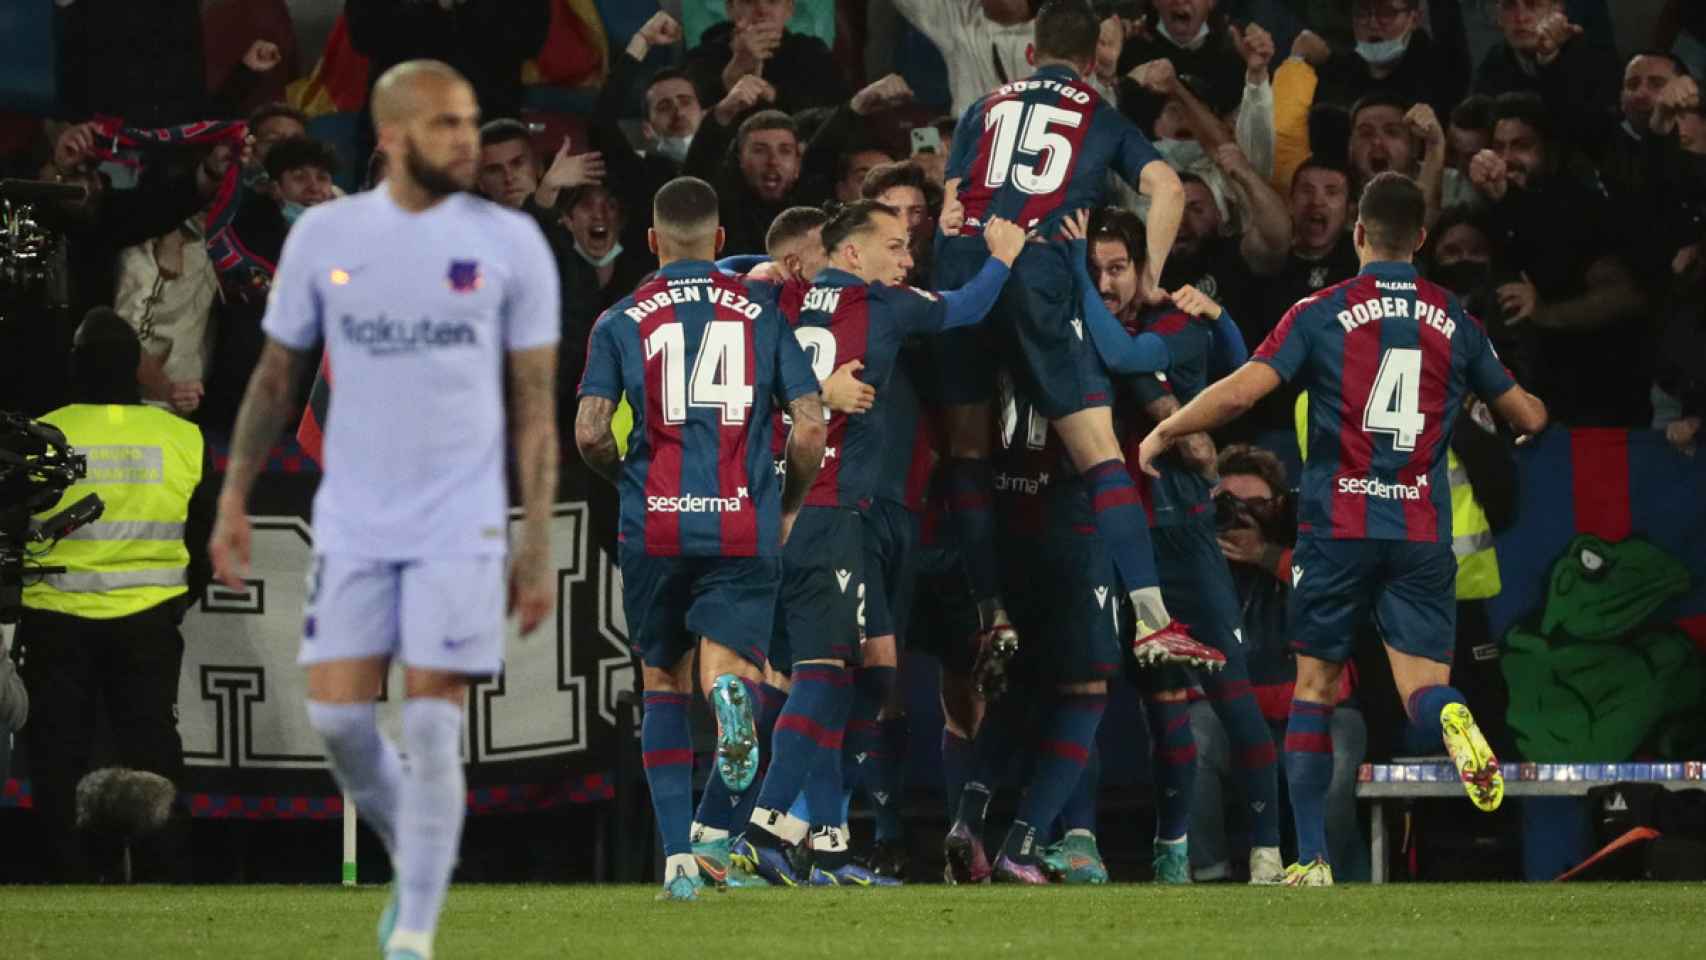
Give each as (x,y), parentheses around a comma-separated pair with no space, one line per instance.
(969,430)
(1317,680)
(880,652)
(432,734)
(343,726)
(659,680)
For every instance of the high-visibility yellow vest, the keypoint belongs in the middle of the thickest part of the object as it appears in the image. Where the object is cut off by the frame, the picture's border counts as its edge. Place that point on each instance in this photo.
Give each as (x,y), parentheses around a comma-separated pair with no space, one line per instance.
(1471,534)
(144,464)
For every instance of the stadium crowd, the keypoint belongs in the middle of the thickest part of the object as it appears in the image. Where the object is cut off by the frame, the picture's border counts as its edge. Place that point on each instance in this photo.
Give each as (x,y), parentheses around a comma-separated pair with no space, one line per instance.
(1565,191)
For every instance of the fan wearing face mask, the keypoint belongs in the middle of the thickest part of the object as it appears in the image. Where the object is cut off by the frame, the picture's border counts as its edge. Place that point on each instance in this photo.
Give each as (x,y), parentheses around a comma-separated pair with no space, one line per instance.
(1394,51)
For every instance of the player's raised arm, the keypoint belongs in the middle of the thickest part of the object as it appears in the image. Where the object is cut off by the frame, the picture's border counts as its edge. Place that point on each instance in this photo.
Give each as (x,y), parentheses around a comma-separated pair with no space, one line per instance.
(1223,402)
(970,304)
(1120,351)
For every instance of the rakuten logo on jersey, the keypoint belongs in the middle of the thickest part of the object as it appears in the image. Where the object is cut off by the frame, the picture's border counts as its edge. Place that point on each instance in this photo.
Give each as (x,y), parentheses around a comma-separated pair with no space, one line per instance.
(383,336)
(1367,487)
(693,504)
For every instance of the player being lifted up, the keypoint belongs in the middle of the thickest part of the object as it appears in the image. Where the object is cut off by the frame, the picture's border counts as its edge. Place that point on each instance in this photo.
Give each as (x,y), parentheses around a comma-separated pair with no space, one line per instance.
(854,310)
(1032,152)
(1386,358)
(701,528)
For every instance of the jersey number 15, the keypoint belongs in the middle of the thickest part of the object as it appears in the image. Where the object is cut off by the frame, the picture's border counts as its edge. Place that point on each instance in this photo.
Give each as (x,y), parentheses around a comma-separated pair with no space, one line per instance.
(1030,127)
(719,379)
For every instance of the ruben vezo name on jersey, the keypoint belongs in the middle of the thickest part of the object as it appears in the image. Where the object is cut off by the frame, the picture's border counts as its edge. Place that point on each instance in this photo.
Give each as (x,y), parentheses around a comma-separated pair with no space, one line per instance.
(695,504)
(1077,95)
(382,335)
(1383,308)
(693,292)
(1369,487)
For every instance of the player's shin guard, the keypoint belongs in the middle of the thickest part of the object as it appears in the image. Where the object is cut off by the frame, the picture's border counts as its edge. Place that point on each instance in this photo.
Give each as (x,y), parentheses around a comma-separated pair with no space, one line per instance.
(1121,524)
(1175,766)
(1425,706)
(666,745)
(430,809)
(810,728)
(1254,759)
(364,761)
(1063,750)
(971,486)
(1079,811)
(1308,772)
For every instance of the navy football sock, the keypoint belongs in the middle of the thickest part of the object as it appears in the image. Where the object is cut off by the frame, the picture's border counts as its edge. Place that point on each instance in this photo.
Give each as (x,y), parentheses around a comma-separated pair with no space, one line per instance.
(885,779)
(1308,772)
(811,725)
(666,746)
(992,754)
(956,768)
(1254,760)
(971,492)
(1079,812)
(867,761)
(1175,766)
(1068,735)
(1425,705)
(770,702)
(1122,525)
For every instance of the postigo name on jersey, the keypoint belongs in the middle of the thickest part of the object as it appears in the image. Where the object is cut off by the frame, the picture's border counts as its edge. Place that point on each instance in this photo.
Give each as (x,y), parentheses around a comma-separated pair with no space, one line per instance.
(696,504)
(1370,487)
(1384,308)
(382,335)
(1077,95)
(693,291)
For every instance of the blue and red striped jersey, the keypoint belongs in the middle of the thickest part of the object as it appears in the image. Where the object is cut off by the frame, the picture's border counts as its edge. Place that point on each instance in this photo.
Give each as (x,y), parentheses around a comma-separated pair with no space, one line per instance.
(1038,494)
(840,319)
(1387,358)
(1180,493)
(702,361)
(1038,149)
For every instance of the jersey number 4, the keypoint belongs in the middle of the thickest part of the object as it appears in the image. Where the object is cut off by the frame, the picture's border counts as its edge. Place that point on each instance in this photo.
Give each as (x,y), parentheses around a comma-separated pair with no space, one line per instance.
(1031,128)
(719,378)
(1394,405)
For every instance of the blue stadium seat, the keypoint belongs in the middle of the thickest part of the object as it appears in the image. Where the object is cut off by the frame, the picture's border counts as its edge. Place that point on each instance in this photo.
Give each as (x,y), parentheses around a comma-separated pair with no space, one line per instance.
(29,57)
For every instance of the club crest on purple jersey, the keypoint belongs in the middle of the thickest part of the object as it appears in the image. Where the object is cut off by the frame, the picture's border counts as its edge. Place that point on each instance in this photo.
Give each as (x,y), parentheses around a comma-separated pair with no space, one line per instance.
(464,275)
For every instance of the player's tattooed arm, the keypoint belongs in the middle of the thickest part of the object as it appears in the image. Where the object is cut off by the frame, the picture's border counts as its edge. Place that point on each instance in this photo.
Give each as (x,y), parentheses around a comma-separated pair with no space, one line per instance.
(533,430)
(805,450)
(593,437)
(268,404)
(1195,449)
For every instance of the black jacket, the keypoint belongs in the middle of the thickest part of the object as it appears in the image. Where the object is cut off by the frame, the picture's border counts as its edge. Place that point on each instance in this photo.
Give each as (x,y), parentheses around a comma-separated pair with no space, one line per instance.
(803,70)
(487,40)
(1580,87)
(1213,71)
(634,178)
(1423,75)
(746,218)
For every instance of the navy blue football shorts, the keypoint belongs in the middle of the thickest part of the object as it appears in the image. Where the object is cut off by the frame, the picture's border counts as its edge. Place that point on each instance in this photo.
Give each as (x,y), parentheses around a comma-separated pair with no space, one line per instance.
(1410,588)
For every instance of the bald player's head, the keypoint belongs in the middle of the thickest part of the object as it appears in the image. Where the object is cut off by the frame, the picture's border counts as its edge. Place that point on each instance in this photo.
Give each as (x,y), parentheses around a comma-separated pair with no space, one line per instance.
(684,221)
(425,114)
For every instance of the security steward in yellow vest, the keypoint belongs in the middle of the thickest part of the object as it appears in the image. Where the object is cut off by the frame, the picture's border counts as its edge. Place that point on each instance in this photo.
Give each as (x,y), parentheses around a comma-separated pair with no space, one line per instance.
(105,632)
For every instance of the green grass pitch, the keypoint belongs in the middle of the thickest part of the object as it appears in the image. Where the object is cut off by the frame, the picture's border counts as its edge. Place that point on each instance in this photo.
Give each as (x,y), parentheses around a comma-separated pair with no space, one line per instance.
(1453,922)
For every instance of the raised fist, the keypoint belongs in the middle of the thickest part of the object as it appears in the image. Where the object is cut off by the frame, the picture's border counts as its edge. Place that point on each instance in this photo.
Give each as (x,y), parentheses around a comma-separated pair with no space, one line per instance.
(1488,175)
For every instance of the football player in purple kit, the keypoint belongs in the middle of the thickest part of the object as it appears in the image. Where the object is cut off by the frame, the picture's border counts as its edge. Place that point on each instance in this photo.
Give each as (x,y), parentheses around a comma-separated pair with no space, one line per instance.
(854,310)
(700,363)
(1386,358)
(1033,151)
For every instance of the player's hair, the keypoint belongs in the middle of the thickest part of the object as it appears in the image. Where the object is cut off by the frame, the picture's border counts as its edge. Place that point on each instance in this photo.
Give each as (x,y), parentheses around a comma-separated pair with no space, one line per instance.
(274,110)
(502,130)
(1252,461)
(685,209)
(1318,162)
(1474,113)
(855,218)
(1524,107)
(1460,215)
(906,173)
(1676,62)
(662,76)
(1392,212)
(761,121)
(1380,98)
(844,160)
(294,153)
(1067,30)
(1120,226)
(792,225)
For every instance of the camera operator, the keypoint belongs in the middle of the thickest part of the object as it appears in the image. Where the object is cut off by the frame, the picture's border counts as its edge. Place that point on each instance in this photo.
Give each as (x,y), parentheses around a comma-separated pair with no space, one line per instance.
(14,706)
(1257,525)
(107,628)
(35,342)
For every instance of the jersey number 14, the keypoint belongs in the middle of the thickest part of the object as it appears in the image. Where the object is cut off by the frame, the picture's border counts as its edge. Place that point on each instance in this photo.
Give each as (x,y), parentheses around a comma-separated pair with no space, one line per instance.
(1394,404)
(719,377)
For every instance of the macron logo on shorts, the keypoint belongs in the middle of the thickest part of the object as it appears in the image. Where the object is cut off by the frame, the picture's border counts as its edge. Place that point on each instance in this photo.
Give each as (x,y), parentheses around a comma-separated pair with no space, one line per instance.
(1296,575)
(696,504)
(1101,597)
(1368,487)
(843,577)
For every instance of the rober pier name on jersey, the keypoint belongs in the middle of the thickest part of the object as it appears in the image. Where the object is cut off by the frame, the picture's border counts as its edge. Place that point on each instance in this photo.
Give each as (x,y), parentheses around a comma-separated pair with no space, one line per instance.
(1380,308)
(693,292)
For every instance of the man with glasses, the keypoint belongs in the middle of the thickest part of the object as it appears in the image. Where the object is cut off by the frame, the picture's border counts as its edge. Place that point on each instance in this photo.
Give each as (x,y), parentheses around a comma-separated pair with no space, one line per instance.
(1545,52)
(1394,51)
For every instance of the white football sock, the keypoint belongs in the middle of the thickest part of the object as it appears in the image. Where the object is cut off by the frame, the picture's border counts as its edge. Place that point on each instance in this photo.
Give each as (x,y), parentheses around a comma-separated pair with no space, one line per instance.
(430,811)
(364,762)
